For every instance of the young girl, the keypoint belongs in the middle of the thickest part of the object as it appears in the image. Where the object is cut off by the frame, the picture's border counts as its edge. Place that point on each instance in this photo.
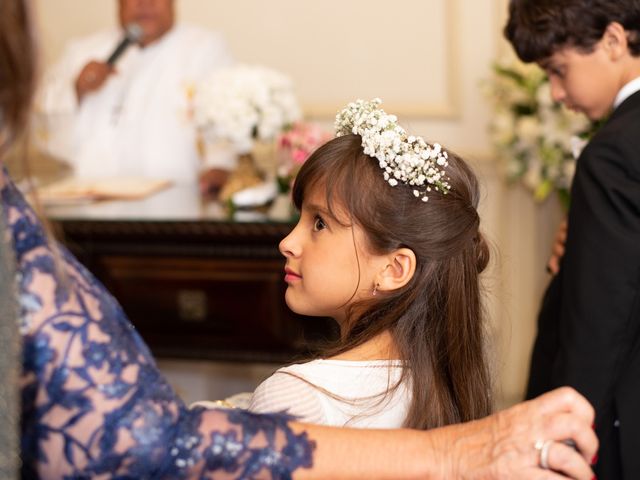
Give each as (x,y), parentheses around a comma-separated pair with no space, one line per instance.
(388,245)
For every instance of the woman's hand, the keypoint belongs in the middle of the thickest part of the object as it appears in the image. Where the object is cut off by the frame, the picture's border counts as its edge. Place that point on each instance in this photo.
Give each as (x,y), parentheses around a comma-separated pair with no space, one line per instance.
(511,443)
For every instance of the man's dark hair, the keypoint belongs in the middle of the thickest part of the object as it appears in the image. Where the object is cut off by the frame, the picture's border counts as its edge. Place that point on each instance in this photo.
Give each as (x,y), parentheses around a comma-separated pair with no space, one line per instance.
(538,28)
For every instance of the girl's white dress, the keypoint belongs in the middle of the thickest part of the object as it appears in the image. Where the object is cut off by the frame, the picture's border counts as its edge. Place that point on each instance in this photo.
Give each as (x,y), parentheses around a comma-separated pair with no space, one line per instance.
(337,393)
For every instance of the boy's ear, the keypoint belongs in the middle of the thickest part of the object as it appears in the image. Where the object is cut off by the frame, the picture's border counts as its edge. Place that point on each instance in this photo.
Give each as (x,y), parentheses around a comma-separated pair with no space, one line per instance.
(614,40)
(400,268)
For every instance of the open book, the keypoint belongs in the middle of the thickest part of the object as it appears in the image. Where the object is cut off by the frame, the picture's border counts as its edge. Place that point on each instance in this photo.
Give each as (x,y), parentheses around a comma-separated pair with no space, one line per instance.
(71,190)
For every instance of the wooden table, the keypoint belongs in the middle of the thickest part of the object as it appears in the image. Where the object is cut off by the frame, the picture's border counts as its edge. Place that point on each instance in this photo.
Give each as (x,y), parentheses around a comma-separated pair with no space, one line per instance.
(194,282)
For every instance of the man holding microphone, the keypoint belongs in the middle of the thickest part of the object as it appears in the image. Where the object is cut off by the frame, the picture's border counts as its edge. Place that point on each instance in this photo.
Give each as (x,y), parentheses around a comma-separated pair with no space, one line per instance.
(118,102)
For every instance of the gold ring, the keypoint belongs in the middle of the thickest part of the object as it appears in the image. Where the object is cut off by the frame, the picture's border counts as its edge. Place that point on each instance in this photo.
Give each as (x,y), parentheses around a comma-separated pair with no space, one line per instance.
(543,447)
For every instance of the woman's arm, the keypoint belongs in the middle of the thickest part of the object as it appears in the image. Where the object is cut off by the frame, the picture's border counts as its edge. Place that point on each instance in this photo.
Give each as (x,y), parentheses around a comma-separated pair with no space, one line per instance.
(503,446)
(498,447)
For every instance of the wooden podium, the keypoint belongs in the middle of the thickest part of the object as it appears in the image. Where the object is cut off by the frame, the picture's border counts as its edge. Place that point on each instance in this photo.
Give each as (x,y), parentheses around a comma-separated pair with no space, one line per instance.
(195,283)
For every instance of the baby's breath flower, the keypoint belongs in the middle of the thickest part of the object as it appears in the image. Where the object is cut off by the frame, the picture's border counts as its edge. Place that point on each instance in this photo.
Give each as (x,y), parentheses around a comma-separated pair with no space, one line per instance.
(406,159)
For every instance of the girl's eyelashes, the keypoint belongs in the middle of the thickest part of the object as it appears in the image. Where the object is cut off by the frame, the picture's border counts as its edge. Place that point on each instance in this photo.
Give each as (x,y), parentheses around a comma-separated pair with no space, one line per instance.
(318,223)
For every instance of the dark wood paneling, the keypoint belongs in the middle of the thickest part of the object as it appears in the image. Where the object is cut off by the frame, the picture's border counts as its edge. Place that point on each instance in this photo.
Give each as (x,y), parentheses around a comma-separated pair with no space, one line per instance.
(200,289)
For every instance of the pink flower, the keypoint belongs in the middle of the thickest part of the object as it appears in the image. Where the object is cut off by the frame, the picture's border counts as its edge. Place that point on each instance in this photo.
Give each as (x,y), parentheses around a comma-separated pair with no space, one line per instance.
(299,156)
(295,145)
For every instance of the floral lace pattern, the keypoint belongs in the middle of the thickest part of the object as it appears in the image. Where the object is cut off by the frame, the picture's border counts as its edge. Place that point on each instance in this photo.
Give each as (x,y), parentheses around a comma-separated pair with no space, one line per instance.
(94,402)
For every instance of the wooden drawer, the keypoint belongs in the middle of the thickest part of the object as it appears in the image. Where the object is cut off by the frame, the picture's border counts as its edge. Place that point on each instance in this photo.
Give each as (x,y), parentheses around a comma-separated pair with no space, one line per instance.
(211,308)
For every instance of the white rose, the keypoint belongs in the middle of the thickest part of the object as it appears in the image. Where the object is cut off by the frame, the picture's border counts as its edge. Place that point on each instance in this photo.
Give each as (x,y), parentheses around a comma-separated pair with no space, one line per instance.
(528,129)
(503,127)
(543,95)
(577,144)
(532,177)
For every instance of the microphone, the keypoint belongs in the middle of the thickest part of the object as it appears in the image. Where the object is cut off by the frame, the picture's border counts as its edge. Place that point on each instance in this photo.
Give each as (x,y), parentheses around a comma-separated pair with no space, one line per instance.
(132,34)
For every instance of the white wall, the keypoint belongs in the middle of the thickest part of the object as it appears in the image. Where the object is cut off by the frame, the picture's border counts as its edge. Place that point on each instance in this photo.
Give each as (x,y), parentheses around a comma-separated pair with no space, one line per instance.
(426,59)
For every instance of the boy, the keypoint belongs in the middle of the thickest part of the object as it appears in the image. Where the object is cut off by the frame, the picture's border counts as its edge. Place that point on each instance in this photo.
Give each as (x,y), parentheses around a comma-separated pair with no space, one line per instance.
(589,323)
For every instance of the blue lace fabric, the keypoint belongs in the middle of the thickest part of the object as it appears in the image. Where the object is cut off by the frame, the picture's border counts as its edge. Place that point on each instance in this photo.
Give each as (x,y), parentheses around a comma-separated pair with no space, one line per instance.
(94,404)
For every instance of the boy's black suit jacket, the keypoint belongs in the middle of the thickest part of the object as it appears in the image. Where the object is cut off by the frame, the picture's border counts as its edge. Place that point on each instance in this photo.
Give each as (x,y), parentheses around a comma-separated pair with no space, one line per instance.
(589,322)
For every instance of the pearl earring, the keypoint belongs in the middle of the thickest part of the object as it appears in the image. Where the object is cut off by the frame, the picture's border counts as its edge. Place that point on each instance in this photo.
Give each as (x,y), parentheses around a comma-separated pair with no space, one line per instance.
(375,289)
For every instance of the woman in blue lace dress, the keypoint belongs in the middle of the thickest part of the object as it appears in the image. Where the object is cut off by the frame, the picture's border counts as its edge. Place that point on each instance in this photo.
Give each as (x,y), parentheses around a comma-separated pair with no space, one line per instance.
(95,405)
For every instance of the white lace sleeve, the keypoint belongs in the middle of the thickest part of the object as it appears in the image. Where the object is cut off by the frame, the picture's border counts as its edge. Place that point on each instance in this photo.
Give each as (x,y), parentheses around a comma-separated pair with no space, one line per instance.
(283,392)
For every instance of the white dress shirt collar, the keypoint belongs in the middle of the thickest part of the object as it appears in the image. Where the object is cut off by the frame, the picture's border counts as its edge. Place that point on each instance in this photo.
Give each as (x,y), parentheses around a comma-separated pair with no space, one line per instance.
(625,92)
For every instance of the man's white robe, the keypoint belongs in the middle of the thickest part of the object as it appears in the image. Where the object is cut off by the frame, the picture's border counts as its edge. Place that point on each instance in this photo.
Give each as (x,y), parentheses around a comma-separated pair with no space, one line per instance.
(139,123)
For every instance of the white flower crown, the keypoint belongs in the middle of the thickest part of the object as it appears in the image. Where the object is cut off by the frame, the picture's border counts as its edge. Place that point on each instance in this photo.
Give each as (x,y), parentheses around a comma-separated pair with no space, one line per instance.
(403,158)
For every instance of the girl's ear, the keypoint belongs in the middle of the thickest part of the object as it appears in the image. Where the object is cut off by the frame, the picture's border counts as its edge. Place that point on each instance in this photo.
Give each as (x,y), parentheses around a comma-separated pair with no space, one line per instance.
(400,268)
(614,40)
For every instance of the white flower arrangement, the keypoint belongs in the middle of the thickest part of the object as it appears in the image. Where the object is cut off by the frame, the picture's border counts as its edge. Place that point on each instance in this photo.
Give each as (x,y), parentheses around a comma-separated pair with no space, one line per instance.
(244,103)
(403,158)
(534,136)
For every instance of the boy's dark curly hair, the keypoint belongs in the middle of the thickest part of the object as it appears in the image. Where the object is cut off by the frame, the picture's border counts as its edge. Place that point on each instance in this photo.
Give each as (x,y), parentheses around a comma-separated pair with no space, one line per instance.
(538,28)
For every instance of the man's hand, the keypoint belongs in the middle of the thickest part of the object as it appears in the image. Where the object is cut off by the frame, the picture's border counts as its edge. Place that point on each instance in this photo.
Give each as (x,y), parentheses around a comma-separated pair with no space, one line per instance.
(557,251)
(212,180)
(92,77)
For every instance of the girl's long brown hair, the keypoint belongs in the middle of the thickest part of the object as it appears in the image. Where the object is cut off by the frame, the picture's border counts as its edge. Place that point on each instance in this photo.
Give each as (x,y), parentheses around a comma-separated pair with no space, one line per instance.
(436,320)
(17,70)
